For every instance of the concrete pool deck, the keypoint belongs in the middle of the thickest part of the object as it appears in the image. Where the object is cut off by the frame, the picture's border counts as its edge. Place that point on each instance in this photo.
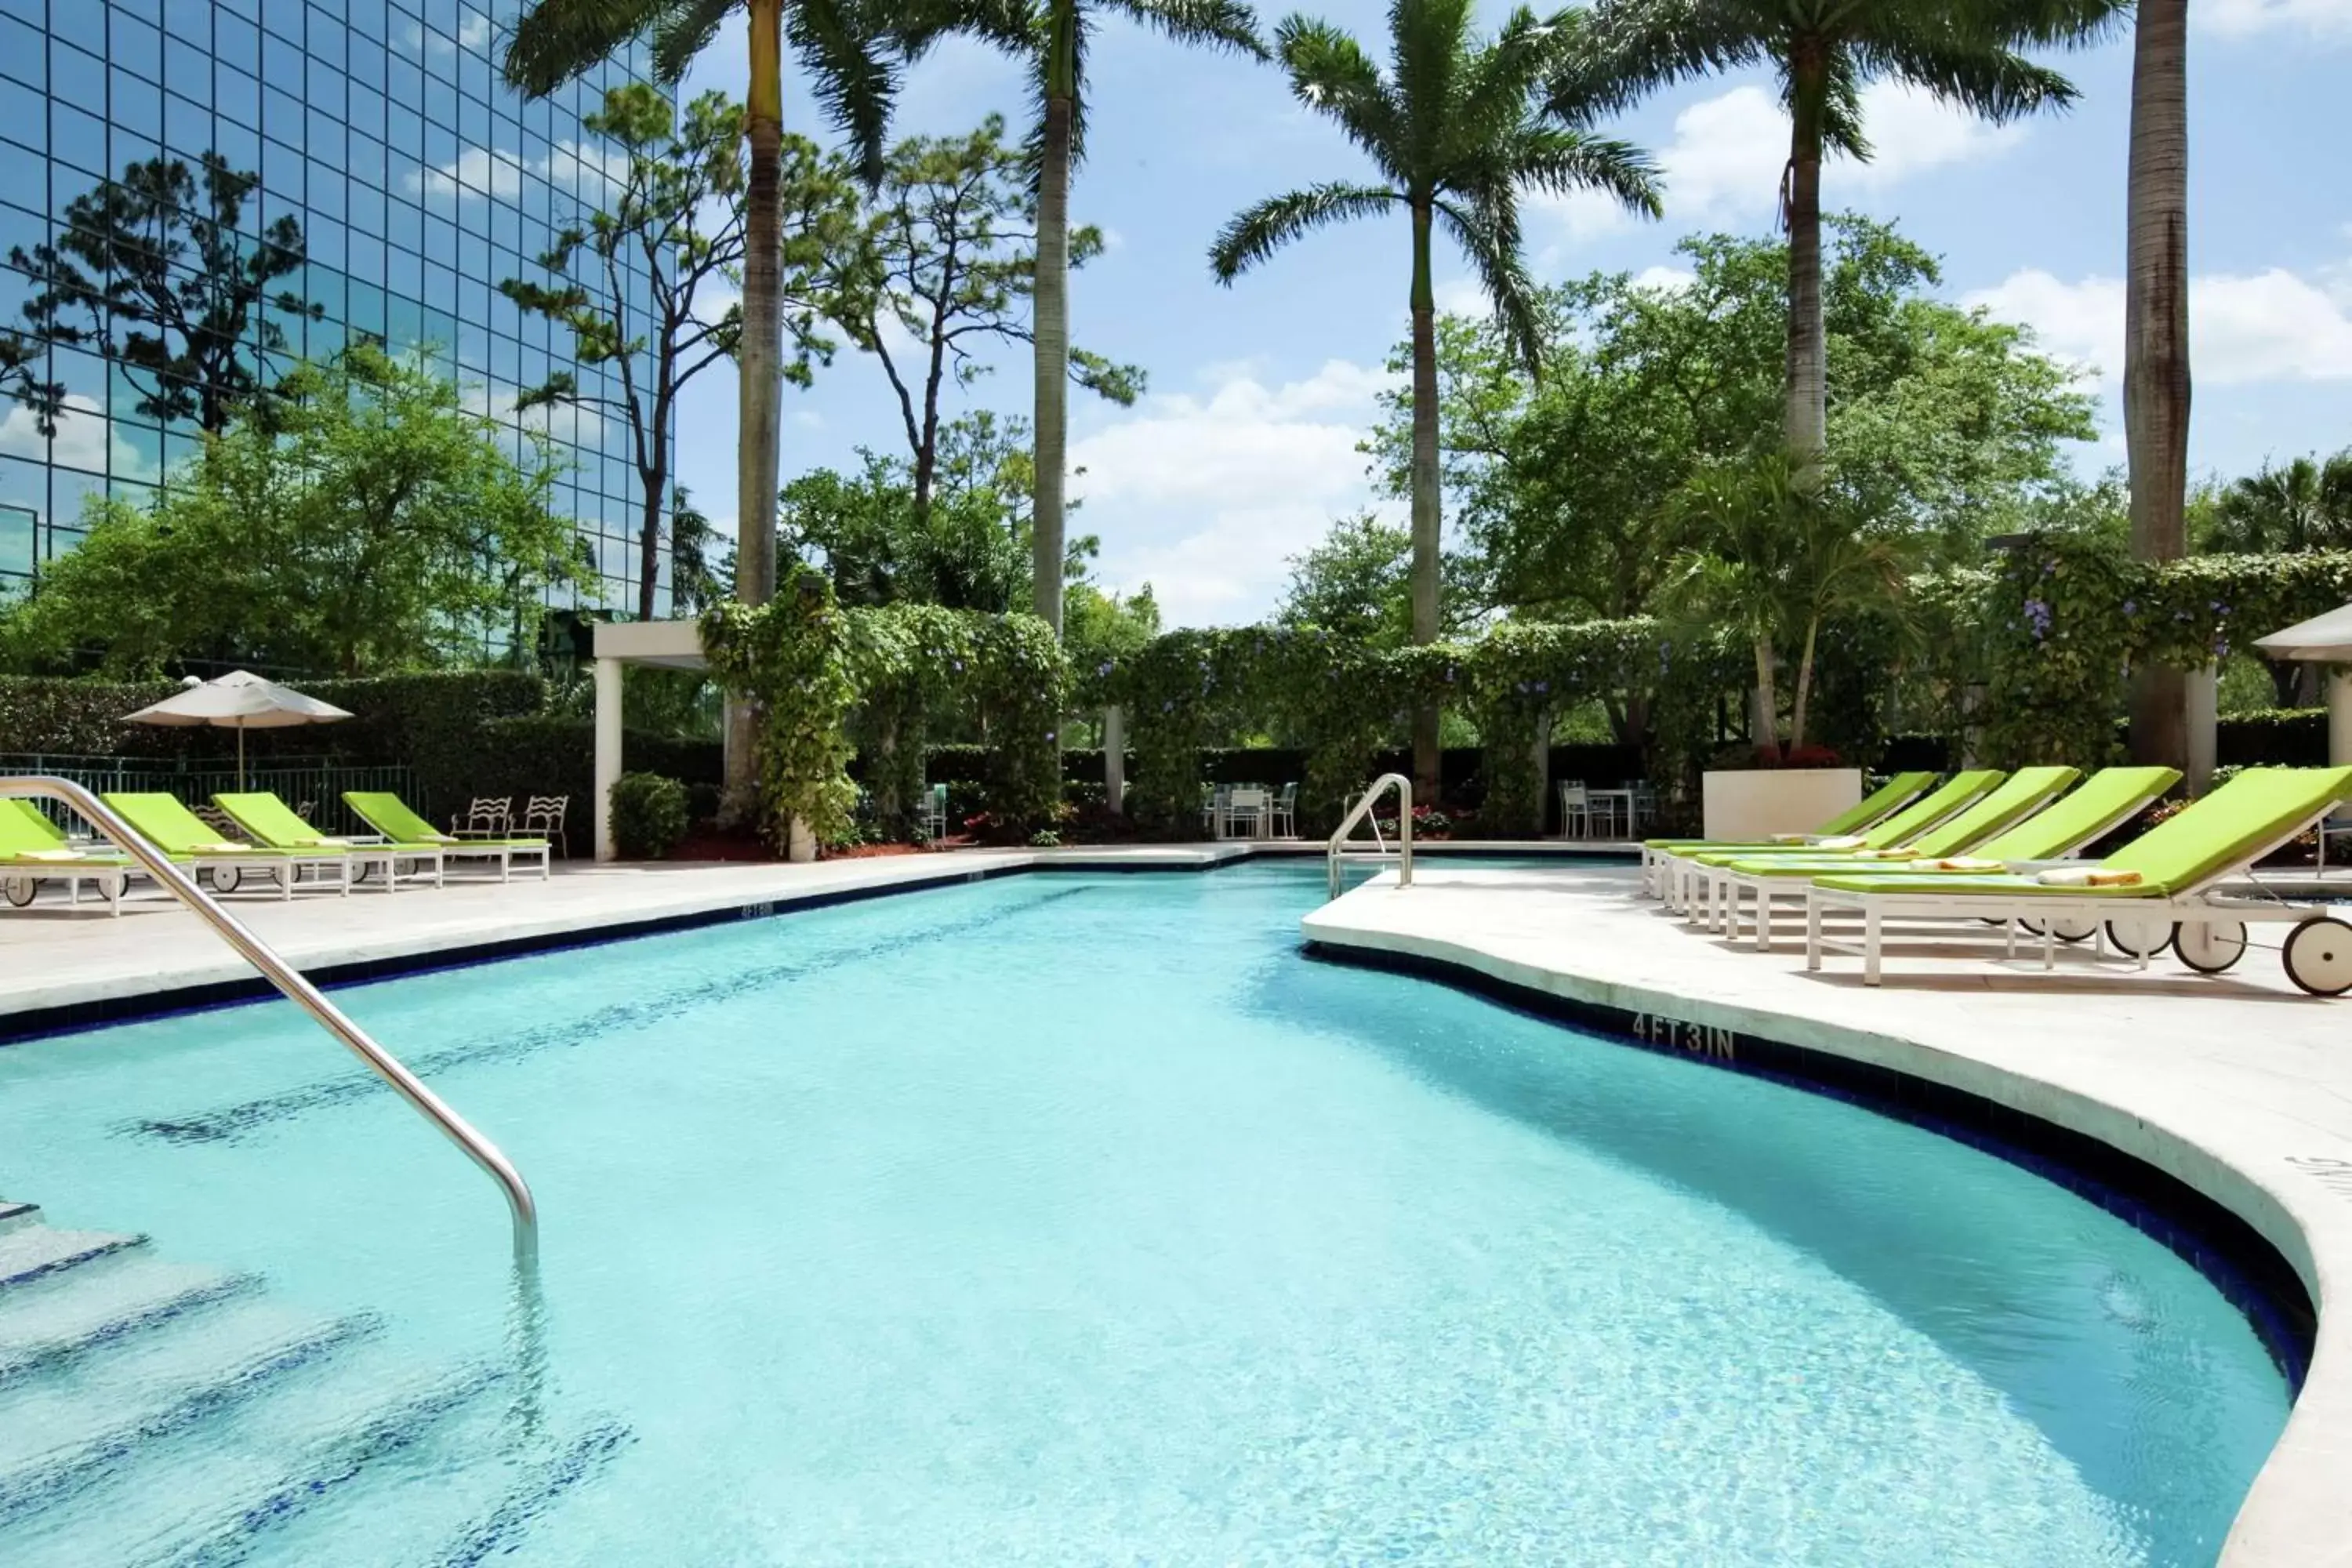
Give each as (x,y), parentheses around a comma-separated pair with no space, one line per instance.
(2240,1086)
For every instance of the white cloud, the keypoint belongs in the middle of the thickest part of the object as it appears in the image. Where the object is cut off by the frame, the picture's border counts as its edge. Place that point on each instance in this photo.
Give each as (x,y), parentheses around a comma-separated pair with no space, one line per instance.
(1665,279)
(2243,327)
(1205,497)
(1728,150)
(591,172)
(82,441)
(2239,17)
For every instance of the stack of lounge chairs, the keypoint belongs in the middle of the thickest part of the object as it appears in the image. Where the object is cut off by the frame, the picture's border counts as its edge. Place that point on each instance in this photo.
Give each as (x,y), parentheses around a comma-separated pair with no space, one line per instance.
(1987,852)
(282,854)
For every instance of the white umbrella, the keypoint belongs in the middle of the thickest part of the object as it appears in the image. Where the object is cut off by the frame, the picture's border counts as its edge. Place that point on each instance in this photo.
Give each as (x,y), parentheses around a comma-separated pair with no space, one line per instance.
(239,701)
(2324,639)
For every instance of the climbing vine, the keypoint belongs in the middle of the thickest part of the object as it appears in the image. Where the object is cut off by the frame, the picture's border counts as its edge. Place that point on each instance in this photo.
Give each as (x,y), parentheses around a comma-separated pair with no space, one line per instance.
(789,658)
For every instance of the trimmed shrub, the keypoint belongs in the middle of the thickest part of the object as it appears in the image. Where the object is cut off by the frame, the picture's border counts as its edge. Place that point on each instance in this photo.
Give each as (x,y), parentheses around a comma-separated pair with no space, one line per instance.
(648,815)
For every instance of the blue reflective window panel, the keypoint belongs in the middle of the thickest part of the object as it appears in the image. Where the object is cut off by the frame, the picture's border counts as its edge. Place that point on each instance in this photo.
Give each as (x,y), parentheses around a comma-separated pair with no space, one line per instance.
(237,95)
(25,119)
(137,106)
(237,41)
(136,46)
(24,53)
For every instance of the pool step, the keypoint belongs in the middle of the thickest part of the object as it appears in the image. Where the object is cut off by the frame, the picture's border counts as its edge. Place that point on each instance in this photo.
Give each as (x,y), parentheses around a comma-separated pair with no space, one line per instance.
(30,1251)
(469,1495)
(228,1495)
(16,1216)
(157,1412)
(73,1312)
(69,1430)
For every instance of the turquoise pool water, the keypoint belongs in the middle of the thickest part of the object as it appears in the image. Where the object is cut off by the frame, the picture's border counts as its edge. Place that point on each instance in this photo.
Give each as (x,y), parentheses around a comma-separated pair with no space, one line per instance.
(1078,1220)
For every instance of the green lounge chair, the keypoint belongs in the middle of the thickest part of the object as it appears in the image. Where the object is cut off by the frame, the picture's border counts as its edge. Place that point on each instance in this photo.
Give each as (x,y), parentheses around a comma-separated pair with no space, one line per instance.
(33,851)
(1690,872)
(1878,805)
(389,815)
(170,827)
(2167,893)
(272,822)
(2027,791)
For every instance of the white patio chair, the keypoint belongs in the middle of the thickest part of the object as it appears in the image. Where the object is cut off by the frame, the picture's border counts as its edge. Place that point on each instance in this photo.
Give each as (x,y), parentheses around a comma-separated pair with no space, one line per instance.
(1246,813)
(933,813)
(1284,814)
(2334,828)
(542,816)
(1213,814)
(1575,810)
(489,816)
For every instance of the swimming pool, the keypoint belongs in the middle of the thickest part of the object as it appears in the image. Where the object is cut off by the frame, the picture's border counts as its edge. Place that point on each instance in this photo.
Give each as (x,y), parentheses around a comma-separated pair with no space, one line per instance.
(1073,1219)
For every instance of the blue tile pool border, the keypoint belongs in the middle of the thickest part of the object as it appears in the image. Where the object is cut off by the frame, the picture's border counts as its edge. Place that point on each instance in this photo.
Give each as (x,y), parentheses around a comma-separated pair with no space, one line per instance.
(2236,1258)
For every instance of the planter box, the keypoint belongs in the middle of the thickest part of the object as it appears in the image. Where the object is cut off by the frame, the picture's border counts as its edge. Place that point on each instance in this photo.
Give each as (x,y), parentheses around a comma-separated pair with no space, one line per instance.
(1757,803)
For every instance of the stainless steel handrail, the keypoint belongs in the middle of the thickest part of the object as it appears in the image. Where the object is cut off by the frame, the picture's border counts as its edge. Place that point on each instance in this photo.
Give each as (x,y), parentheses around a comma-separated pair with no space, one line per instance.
(1363,809)
(283,975)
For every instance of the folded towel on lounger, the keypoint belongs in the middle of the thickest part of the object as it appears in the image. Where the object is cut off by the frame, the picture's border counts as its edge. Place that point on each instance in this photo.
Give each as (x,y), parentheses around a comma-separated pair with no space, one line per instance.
(2087,877)
(1955,863)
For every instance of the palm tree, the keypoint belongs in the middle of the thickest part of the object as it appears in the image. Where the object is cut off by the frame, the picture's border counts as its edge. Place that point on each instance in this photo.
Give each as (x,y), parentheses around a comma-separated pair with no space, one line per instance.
(2155,343)
(1453,130)
(558,40)
(1825,51)
(2306,505)
(1052,35)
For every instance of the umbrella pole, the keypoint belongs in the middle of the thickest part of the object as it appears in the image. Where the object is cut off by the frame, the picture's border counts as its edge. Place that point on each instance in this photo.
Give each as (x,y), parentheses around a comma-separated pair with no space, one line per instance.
(240,756)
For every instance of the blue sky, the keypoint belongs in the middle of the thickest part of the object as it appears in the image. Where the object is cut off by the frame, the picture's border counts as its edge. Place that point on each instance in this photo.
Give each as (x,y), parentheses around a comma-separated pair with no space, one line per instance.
(1243,449)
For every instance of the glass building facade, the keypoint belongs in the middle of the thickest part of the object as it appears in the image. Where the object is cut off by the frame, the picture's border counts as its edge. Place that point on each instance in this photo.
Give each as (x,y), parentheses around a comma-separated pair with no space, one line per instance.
(381,128)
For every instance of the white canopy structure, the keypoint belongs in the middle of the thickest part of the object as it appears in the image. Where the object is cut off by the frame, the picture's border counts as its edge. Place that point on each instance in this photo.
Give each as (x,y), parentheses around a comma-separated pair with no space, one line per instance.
(239,701)
(2323,639)
(673,645)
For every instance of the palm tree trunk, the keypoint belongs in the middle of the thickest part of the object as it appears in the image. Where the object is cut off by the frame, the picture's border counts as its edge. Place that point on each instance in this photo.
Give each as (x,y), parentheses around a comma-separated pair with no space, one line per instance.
(1806,417)
(1425,502)
(1053,358)
(1804,685)
(1767,699)
(760,362)
(2155,343)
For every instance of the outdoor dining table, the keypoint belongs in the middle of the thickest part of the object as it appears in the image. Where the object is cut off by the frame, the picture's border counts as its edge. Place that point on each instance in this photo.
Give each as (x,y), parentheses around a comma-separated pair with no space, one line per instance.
(1614,804)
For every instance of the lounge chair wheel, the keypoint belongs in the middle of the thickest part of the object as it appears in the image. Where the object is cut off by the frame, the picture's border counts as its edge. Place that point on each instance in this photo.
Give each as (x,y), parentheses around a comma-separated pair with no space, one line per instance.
(2068,930)
(225,879)
(2139,937)
(20,890)
(2318,956)
(2209,948)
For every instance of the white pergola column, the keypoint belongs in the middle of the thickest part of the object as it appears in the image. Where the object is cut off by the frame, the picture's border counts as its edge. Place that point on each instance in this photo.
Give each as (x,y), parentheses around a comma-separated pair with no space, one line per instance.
(1115,758)
(2201,700)
(608,750)
(2339,717)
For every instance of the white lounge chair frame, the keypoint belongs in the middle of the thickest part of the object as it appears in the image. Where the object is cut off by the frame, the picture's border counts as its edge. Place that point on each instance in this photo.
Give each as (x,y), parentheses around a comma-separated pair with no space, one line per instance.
(2194,906)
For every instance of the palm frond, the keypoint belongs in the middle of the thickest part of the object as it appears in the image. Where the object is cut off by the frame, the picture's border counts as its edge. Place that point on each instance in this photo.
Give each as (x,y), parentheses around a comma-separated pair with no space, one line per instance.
(1258,232)
(1219,24)
(684,32)
(1989,81)
(1501,78)
(1557,160)
(848,49)
(1331,74)
(1631,47)
(1430,43)
(557,40)
(1488,234)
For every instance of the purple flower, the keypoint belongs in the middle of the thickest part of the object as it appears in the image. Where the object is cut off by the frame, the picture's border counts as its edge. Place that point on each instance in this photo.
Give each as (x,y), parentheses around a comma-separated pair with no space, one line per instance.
(2131,607)
(1104,667)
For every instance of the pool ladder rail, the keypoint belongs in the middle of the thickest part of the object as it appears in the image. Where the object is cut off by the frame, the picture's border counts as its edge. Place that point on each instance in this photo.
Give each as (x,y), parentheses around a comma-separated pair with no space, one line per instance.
(283,975)
(1338,851)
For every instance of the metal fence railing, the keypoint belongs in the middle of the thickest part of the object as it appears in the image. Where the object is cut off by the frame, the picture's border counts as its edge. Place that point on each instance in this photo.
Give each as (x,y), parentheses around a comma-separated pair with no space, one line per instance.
(312,785)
